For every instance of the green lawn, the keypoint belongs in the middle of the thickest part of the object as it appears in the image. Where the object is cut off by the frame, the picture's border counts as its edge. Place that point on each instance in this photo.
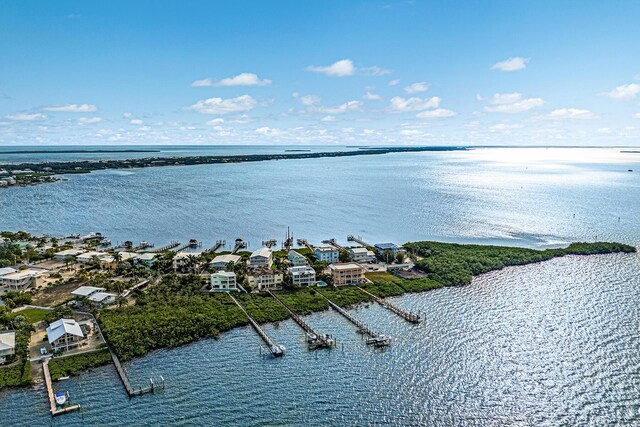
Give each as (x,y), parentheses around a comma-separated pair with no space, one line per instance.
(33,315)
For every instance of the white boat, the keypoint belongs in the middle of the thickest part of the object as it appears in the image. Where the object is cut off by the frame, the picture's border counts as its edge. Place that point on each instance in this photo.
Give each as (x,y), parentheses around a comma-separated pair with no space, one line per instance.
(61,398)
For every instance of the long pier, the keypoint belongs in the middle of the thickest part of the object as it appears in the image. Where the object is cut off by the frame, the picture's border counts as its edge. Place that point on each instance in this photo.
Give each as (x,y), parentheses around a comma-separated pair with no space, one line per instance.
(406,315)
(305,243)
(357,239)
(314,339)
(216,247)
(168,247)
(133,391)
(52,399)
(275,349)
(333,242)
(375,338)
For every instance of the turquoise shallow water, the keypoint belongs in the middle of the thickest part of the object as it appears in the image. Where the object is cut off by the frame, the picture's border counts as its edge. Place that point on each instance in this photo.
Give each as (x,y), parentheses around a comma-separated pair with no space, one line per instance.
(555,343)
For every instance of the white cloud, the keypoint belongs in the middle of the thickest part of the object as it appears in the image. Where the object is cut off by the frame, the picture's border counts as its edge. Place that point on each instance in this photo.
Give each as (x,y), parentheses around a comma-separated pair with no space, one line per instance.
(216,121)
(504,127)
(417,87)
(374,71)
(242,79)
(623,92)
(395,82)
(512,64)
(328,119)
(399,103)
(436,114)
(512,103)
(342,68)
(89,120)
(136,122)
(72,108)
(26,117)
(267,131)
(223,106)
(127,115)
(571,113)
(636,116)
(605,131)
(342,108)
(371,96)
(307,100)
(410,132)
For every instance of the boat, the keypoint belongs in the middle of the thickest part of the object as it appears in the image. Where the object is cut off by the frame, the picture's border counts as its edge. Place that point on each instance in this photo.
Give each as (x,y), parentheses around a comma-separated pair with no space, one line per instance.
(380,340)
(311,337)
(61,398)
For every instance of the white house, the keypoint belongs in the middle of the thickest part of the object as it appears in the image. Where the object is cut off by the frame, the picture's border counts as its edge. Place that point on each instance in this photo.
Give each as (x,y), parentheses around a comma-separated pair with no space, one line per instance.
(223,281)
(302,275)
(102,298)
(88,257)
(86,291)
(7,270)
(222,261)
(261,258)
(297,259)
(64,334)
(362,255)
(20,280)
(7,345)
(67,254)
(327,254)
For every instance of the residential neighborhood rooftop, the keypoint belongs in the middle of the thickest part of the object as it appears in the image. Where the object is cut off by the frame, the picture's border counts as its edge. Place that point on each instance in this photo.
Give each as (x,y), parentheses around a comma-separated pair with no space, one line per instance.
(63,326)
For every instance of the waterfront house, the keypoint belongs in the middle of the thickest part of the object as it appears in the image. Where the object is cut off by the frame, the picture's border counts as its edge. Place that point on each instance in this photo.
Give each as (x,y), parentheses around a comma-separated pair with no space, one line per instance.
(223,281)
(327,254)
(64,334)
(347,273)
(362,255)
(20,280)
(7,346)
(382,247)
(302,275)
(265,278)
(261,258)
(67,254)
(221,262)
(297,259)
(90,257)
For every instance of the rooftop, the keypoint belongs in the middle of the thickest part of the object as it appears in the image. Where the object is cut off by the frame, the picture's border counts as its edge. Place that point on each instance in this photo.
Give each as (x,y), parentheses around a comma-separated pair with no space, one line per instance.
(384,246)
(359,250)
(226,259)
(262,252)
(85,291)
(325,249)
(101,296)
(69,252)
(63,326)
(29,272)
(7,340)
(7,270)
(224,274)
(345,266)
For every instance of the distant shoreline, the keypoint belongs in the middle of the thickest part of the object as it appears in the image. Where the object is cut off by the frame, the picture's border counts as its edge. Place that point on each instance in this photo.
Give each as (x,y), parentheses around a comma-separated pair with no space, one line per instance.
(79,151)
(25,170)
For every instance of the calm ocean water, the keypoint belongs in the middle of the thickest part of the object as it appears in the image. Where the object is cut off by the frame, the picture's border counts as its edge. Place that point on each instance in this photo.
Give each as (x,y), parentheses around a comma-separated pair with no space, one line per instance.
(555,343)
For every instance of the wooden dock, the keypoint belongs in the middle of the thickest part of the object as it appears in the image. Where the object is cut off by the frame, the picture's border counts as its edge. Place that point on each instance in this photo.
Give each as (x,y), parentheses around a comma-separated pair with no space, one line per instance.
(374,338)
(133,391)
(314,339)
(357,239)
(54,409)
(216,247)
(239,244)
(305,243)
(168,247)
(275,349)
(406,315)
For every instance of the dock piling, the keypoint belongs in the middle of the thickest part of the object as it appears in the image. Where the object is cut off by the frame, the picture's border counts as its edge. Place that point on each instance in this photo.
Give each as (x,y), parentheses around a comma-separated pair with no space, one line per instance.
(406,315)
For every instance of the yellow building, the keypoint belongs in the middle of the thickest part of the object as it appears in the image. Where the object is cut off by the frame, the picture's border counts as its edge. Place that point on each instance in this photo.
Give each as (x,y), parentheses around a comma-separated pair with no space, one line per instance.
(346,273)
(264,279)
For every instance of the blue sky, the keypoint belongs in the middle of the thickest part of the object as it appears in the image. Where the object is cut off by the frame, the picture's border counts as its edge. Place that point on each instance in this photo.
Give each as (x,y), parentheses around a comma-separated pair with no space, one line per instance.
(320,72)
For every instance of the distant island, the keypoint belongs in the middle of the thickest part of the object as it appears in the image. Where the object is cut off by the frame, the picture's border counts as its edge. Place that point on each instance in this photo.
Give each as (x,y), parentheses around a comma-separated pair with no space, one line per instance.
(79,151)
(37,173)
